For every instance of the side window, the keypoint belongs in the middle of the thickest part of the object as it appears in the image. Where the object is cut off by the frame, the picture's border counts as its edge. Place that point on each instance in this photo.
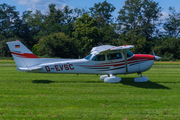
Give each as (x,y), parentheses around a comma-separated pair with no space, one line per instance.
(114,56)
(98,58)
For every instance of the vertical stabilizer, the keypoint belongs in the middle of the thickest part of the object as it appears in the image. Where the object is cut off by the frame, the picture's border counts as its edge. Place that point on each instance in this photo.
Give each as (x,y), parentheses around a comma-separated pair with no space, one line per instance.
(23,57)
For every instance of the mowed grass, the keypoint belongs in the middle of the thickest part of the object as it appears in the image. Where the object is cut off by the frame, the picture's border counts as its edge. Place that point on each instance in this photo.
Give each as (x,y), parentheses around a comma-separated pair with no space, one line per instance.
(70,96)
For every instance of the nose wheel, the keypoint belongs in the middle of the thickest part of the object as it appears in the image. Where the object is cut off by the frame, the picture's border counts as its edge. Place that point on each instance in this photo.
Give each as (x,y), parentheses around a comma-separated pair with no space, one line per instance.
(141,78)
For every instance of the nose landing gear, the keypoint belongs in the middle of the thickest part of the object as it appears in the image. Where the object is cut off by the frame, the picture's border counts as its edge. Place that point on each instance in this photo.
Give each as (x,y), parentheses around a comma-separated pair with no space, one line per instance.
(141,78)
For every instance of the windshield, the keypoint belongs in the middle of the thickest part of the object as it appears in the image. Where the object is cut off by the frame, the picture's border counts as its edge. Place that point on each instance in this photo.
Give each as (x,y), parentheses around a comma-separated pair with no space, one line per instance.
(98,58)
(88,57)
(129,53)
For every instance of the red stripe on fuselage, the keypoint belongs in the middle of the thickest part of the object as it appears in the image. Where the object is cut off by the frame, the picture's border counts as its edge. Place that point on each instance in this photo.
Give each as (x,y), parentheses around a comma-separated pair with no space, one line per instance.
(25,55)
(134,59)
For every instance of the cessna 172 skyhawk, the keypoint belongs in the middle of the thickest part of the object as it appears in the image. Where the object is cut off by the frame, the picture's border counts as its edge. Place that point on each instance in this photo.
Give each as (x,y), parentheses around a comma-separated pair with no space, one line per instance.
(106,59)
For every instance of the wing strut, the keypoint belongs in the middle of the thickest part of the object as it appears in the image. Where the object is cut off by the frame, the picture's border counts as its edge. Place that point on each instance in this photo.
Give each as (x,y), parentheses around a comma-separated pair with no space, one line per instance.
(125,56)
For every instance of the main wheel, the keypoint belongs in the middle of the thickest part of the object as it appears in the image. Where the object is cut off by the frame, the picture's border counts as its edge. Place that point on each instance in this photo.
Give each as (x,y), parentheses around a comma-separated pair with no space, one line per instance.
(141,79)
(102,77)
(112,79)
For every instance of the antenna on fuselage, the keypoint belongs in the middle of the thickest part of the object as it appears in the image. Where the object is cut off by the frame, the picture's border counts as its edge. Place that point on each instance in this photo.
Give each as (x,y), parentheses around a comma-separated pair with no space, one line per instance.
(100,44)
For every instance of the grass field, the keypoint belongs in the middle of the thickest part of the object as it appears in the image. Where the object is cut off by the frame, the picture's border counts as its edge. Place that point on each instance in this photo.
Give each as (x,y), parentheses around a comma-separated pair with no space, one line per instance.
(68,96)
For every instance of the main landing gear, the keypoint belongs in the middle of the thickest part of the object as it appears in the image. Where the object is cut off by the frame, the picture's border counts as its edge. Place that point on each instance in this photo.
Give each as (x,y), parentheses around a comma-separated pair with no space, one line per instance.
(114,79)
(110,78)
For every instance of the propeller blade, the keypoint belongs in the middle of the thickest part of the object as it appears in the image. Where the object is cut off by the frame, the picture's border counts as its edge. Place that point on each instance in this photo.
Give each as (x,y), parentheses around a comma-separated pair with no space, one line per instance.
(155,57)
(153,52)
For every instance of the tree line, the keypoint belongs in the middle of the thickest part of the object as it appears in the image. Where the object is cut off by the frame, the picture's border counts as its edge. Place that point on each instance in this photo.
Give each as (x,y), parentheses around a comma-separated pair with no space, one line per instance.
(71,33)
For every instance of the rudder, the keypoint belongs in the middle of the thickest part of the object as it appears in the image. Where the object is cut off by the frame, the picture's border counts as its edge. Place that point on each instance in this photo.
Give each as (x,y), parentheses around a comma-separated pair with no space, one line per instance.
(23,57)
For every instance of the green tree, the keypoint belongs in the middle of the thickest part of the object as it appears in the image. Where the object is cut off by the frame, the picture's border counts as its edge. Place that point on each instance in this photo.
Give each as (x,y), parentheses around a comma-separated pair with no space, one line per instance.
(102,12)
(110,34)
(35,23)
(56,45)
(69,19)
(168,48)
(87,34)
(8,16)
(24,31)
(53,22)
(79,12)
(56,20)
(1,37)
(172,24)
(138,19)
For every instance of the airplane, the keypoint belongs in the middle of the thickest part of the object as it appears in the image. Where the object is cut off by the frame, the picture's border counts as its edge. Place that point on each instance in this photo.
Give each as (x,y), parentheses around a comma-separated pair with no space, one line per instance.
(105,59)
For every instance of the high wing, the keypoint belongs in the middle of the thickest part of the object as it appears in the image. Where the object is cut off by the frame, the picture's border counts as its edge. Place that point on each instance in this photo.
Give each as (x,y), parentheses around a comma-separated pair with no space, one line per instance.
(108,48)
(122,47)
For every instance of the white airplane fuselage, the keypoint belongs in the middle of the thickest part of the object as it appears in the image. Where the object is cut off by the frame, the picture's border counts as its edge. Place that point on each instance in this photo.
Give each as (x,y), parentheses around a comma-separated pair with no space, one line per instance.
(136,63)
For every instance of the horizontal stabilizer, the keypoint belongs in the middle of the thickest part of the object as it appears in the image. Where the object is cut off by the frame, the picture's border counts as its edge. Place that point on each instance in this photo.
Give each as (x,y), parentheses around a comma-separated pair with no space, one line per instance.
(30,68)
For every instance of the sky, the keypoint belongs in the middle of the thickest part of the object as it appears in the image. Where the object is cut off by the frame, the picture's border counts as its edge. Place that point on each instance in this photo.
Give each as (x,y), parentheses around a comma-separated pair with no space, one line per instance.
(23,5)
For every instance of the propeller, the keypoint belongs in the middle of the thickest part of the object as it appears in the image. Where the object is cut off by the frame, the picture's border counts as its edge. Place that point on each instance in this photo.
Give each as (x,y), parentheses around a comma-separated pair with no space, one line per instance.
(155,57)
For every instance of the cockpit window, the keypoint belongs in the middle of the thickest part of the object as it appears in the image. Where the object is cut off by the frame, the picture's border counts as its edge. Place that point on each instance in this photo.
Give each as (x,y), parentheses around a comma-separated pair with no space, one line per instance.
(88,57)
(114,56)
(98,58)
(129,53)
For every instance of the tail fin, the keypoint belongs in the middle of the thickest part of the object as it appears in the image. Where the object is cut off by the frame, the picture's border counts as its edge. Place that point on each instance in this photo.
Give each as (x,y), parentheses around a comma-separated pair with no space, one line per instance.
(23,57)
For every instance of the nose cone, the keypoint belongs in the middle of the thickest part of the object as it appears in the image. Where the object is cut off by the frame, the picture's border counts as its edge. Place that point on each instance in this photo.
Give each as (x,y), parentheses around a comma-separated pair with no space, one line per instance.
(157,57)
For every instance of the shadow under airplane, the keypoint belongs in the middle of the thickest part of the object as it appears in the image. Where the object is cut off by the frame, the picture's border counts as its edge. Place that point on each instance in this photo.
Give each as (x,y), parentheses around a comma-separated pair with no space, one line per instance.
(125,81)
(148,84)
(50,81)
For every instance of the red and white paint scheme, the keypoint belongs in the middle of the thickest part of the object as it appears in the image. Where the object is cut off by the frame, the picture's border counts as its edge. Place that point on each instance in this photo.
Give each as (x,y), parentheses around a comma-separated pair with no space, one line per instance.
(106,59)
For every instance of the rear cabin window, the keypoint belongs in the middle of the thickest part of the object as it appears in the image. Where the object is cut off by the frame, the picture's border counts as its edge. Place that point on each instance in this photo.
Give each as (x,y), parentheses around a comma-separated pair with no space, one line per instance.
(98,58)
(114,56)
